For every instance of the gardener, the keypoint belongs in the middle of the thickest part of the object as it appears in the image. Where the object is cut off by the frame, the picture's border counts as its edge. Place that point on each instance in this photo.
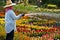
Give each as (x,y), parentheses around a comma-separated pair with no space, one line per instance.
(10,18)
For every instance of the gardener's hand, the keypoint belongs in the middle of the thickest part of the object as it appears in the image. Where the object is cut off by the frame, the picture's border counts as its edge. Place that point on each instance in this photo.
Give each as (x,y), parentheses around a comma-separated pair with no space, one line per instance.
(23,14)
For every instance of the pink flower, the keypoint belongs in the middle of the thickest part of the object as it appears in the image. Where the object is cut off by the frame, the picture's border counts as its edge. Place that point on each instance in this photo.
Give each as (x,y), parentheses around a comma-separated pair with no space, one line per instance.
(50,39)
(43,36)
(52,35)
(47,35)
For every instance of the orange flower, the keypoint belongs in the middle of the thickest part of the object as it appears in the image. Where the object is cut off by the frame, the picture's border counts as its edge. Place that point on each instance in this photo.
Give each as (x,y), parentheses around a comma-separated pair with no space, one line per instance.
(16,32)
(26,38)
(25,17)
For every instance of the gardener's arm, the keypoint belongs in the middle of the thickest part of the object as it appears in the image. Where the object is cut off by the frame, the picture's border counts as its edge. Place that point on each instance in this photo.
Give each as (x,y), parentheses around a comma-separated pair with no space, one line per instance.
(14,16)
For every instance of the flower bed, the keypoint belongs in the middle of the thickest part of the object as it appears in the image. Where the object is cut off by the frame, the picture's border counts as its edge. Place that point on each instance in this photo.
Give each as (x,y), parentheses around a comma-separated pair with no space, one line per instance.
(33,32)
(48,34)
(42,30)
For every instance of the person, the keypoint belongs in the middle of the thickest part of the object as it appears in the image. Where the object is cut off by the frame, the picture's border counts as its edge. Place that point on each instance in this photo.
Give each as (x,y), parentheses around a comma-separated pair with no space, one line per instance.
(10,17)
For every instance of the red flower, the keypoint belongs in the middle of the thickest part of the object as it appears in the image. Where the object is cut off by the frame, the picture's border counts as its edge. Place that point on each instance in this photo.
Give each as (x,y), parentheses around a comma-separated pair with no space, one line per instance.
(38,31)
(51,30)
(58,32)
(18,29)
(44,30)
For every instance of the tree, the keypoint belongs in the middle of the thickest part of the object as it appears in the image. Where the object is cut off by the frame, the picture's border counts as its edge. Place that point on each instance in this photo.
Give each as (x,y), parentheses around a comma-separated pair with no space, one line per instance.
(13,1)
(39,3)
(33,2)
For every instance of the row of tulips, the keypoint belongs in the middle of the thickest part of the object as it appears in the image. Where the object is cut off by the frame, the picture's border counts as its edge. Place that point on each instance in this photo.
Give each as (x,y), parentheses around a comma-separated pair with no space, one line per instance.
(36,32)
(39,34)
(33,36)
(52,36)
(44,37)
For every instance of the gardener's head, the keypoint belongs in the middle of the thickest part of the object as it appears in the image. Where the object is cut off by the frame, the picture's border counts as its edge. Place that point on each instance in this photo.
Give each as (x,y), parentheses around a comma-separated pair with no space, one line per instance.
(9,4)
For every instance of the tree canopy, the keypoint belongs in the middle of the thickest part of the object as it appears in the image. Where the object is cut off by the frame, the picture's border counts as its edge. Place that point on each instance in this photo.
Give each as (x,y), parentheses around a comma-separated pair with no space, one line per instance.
(34,2)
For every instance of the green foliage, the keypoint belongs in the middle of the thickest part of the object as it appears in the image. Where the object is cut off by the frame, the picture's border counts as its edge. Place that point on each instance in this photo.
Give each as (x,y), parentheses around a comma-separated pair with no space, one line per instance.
(32,2)
(2,3)
(25,9)
(2,37)
(44,2)
(31,8)
(56,2)
(36,34)
(57,36)
(51,6)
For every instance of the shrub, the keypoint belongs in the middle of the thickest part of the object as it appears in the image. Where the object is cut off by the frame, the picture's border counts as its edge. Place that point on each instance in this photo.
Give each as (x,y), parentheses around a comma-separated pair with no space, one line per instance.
(57,36)
(1,5)
(51,6)
(24,9)
(2,37)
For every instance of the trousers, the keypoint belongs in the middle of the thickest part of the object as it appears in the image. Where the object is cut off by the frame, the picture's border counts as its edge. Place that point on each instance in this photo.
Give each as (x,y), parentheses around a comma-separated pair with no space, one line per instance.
(9,36)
